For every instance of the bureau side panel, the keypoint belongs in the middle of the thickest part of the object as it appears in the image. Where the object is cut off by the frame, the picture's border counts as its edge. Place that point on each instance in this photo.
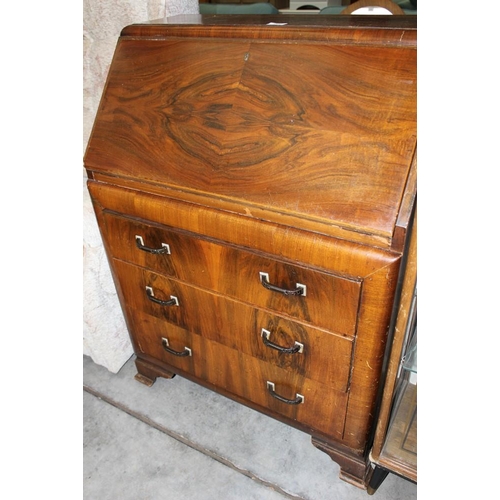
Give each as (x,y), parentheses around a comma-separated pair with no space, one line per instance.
(369,350)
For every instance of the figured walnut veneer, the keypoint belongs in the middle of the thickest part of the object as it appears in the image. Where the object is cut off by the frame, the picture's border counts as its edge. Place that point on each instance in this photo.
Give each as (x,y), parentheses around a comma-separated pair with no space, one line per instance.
(247,149)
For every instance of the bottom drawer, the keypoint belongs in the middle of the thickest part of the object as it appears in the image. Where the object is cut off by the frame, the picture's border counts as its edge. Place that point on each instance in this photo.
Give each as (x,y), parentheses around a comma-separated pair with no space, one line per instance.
(306,401)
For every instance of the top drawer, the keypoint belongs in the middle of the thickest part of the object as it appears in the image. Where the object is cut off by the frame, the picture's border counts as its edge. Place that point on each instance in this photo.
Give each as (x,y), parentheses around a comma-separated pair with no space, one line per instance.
(315,297)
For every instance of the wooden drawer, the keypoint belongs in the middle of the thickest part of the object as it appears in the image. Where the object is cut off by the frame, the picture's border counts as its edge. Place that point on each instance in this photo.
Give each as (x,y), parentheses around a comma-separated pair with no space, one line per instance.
(323,409)
(330,302)
(318,355)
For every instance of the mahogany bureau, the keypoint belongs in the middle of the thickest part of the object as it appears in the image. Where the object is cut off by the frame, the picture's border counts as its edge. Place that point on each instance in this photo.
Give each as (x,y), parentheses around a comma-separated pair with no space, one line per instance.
(254,184)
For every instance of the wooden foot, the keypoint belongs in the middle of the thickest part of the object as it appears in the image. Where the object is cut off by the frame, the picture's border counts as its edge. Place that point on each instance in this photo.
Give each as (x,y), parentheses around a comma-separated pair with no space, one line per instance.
(144,380)
(148,373)
(353,469)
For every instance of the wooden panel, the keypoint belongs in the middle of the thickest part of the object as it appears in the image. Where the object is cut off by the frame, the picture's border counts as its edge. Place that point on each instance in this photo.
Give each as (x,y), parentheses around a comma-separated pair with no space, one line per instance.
(293,244)
(331,302)
(317,132)
(245,376)
(371,341)
(375,31)
(325,357)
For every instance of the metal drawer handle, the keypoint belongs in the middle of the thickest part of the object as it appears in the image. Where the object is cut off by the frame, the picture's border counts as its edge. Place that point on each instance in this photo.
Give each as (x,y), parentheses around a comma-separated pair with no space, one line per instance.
(186,352)
(299,399)
(165,249)
(264,279)
(174,301)
(297,347)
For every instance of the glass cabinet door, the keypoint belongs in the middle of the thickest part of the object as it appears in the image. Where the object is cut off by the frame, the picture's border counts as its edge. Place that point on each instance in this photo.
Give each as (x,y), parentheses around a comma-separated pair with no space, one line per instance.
(400,446)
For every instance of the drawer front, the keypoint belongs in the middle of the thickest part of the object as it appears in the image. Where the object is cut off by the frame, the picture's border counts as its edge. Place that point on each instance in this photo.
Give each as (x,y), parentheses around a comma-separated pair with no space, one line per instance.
(322,408)
(315,354)
(321,299)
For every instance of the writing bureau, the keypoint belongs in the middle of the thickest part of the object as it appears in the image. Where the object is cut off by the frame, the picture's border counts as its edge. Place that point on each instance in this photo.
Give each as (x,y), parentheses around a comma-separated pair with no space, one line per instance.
(254,184)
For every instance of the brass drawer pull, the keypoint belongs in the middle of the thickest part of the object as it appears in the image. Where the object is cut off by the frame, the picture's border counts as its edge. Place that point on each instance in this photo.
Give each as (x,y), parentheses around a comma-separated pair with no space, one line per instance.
(264,279)
(299,399)
(297,347)
(186,352)
(165,249)
(174,301)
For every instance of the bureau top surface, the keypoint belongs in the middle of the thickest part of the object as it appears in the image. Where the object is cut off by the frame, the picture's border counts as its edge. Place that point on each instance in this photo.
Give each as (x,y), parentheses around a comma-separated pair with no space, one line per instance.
(312,122)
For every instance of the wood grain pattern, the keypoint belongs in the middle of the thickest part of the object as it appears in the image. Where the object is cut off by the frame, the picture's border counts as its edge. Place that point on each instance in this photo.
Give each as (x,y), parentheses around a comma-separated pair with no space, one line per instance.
(379,271)
(375,31)
(346,232)
(326,357)
(247,148)
(336,255)
(217,364)
(331,302)
(245,121)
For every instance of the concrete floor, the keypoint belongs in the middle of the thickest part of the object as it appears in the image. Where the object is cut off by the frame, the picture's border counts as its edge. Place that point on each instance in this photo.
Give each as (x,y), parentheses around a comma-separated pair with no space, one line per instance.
(179,441)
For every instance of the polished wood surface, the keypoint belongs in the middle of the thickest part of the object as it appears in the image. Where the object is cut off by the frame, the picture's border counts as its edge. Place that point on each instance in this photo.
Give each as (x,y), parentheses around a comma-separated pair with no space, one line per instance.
(378,31)
(249,149)
(290,243)
(377,268)
(331,302)
(244,122)
(325,357)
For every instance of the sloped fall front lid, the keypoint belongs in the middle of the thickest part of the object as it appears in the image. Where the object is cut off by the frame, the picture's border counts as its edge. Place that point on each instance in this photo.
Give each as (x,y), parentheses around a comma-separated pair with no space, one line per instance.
(316,123)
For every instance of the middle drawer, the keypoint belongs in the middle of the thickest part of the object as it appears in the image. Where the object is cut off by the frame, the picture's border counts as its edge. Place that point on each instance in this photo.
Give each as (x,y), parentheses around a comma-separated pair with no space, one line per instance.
(318,298)
(310,352)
